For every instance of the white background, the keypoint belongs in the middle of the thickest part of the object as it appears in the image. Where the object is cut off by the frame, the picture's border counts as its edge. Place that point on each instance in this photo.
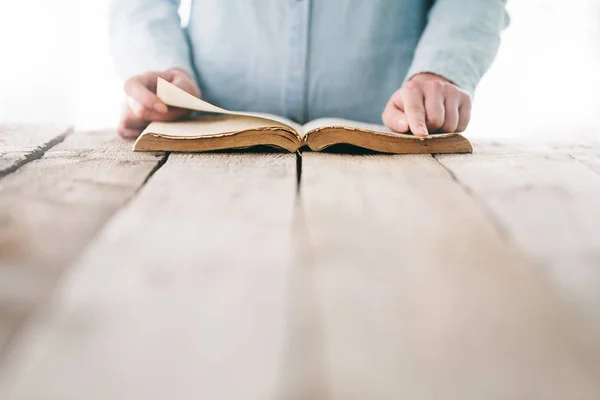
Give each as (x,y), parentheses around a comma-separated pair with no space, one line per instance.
(55,67)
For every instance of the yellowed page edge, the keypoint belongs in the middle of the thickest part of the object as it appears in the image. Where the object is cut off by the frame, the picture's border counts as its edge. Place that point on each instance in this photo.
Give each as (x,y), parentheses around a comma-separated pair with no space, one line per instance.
(211,127)
(459,142)
(317,125)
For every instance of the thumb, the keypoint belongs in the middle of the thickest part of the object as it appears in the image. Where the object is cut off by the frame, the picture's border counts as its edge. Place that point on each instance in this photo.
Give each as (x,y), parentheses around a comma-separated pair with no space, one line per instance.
(187,84)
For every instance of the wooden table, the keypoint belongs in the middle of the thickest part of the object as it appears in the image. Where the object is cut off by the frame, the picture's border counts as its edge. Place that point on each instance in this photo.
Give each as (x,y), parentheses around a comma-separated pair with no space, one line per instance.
(275,276)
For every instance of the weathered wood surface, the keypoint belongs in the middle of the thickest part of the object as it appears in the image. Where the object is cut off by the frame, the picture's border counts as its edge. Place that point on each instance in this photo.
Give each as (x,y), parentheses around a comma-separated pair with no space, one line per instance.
(546,197)
(183,295)
(51,208)
(421,297)
(585,151)
(383,277)
(20,144)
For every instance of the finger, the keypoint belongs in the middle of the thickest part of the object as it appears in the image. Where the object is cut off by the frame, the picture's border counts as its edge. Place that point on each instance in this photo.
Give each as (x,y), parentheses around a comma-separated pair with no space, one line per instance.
(176,77)
(130,126)
(464,113)
(129,133)
(147,114)
(394,118)
(131,121)
(149,79)
(451,105)
(434,107)
(138,89)
(414,109)
(179,78)
(183,82)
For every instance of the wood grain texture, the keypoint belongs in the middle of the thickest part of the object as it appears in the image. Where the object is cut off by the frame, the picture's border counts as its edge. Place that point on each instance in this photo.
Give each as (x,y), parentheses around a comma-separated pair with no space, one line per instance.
(420,297)
(585,151)
(51,208)
(20,144)
(387,278)
(546,198)
(183,295)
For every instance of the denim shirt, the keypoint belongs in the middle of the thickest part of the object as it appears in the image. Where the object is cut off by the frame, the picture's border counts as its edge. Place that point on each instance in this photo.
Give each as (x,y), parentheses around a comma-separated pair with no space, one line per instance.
(306,59)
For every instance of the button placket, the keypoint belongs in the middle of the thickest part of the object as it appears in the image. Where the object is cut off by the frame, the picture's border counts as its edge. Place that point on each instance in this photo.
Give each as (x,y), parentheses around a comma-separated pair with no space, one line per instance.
(296,63)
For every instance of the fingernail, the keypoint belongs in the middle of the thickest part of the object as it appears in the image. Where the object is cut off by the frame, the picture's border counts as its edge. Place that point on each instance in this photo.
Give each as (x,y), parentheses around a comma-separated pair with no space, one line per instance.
(161,108)
(402,125)
(422,130)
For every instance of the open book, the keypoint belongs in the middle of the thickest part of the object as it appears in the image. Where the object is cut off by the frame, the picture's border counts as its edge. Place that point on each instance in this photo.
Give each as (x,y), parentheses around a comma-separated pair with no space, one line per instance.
(220,129)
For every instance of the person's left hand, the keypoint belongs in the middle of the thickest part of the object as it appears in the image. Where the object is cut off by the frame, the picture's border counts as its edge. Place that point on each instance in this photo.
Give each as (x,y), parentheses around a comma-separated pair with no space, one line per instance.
(428,103)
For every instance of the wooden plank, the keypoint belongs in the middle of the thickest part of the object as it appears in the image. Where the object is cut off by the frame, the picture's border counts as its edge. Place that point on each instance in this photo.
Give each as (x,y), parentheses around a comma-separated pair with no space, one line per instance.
(587,152)
(198,284)
(183,295)
(420,297)
(547,201)
(52,207)
(20,144)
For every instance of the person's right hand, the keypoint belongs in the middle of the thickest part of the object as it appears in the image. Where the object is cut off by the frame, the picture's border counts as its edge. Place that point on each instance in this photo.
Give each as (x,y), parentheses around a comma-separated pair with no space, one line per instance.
(142,106)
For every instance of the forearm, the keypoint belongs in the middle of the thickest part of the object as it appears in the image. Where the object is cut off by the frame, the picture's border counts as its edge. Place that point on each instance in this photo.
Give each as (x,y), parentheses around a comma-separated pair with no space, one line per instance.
(146,35)
(461,40)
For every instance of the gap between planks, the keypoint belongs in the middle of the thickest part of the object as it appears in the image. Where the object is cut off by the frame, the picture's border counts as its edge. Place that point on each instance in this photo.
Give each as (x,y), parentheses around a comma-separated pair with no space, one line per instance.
(395,285)
(399,245)
(53,206)
(545,196)
(500,228)
(204,251)
(30,144)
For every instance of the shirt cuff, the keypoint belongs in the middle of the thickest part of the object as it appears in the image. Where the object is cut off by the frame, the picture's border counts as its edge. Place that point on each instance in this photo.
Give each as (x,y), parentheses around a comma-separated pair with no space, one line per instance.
(447,65)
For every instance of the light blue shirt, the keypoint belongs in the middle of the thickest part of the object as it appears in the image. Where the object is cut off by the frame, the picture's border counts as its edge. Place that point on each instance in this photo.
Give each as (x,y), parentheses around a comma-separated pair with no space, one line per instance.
(306,59)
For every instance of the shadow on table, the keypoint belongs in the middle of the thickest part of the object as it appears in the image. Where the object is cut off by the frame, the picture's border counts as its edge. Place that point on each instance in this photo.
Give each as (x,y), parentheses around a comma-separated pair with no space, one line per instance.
(335,149)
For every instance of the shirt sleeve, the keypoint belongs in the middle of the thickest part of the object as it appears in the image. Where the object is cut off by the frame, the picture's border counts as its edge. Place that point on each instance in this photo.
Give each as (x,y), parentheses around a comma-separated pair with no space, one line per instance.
(461,40)
(146,35)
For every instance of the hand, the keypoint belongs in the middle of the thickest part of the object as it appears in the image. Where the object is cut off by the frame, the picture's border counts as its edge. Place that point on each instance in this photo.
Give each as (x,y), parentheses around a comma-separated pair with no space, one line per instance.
(428,103)
(142,106)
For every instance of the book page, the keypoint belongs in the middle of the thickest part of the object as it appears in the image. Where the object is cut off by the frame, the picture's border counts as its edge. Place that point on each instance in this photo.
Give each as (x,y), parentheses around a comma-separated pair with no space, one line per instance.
(172,95)
(330,122)
(211,125)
